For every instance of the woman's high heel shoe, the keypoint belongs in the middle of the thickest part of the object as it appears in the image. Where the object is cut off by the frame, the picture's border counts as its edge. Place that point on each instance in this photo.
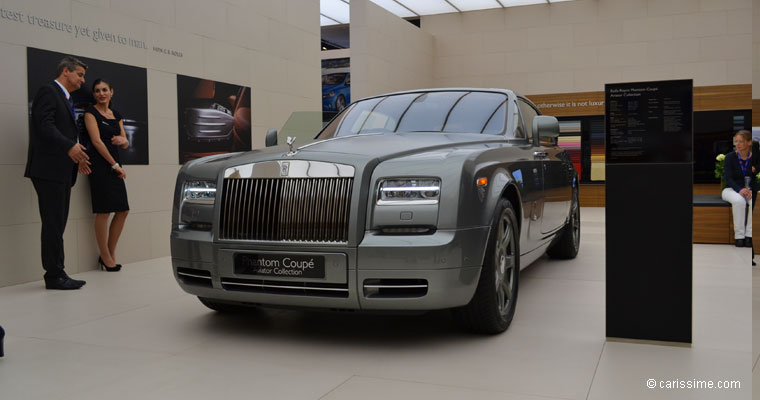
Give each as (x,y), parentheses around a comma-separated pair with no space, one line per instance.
(2,338)
(104,267)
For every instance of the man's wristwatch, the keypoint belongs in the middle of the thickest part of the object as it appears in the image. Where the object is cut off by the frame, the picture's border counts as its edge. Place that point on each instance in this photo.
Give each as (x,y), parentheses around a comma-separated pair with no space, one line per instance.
(116,165)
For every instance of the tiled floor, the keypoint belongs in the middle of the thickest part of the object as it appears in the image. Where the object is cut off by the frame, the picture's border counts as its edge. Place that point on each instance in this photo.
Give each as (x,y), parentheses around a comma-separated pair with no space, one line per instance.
(135,335)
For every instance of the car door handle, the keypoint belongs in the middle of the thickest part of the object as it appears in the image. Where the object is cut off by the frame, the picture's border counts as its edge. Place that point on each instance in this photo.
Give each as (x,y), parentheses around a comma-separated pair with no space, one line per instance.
(539,154)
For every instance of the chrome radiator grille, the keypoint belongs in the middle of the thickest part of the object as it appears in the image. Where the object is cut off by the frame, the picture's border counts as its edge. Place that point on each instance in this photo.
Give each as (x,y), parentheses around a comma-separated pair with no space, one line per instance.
(289,209)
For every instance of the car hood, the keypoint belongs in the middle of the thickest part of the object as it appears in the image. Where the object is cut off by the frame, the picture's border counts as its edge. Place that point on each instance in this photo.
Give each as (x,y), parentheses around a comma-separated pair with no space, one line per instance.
(360,150)
(390,145)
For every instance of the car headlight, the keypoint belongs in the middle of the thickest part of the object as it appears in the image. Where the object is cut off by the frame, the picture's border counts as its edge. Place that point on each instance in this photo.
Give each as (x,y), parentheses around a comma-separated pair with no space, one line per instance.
(199,192)
(404,191)
(196,208)
(328,94)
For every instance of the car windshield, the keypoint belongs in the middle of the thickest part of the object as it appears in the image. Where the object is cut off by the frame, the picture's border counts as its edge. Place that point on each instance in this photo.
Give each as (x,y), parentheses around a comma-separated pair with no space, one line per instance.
(444,112)
(333,79)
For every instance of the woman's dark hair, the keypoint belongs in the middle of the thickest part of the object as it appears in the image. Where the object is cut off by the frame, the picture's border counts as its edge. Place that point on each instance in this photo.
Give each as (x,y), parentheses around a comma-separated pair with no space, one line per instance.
(98,81)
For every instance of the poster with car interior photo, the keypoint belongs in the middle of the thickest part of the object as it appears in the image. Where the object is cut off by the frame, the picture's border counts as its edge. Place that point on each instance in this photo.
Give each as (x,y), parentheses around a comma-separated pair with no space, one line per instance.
(336,86)
(130,96)
(214,117)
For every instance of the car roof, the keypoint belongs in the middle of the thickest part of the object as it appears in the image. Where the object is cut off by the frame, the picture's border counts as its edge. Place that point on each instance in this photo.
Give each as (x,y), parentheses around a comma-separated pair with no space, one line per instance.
(451,89)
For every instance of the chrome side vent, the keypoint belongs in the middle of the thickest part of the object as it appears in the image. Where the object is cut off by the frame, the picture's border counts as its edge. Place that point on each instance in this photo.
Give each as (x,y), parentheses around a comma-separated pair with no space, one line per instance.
(395,288)
(195,277)
(286,209)
(316,289)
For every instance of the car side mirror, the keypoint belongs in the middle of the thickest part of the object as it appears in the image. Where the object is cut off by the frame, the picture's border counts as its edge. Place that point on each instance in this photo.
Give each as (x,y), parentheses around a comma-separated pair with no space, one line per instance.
(545,127)
(271,138)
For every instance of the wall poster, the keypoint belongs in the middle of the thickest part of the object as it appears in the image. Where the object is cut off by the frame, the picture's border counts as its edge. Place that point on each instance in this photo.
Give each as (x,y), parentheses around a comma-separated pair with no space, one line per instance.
(130,85)
(336,86)
(214,117)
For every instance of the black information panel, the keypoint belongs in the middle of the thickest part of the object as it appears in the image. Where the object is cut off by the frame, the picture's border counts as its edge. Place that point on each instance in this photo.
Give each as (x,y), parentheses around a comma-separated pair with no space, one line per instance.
(649,183)
(649,122)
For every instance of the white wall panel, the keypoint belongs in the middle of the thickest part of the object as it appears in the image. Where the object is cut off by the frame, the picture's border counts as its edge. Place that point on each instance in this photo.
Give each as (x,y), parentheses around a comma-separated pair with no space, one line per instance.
(596,33)
(483,21)
(164,145)
(270,45)
(671,7)
(17,209)
(573,12)
(699,25)
(524,17)
(703,73)
(593,42)
(159,11)
(389,54)
(14,130)
(648,29)
(13,64)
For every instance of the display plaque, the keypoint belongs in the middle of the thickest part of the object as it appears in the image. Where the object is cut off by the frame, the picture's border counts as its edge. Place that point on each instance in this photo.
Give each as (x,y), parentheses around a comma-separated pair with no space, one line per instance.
(649,122)
(648,219)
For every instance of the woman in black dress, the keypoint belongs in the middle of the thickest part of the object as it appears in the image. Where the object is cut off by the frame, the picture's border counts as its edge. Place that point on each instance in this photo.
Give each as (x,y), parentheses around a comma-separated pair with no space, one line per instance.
(109,194)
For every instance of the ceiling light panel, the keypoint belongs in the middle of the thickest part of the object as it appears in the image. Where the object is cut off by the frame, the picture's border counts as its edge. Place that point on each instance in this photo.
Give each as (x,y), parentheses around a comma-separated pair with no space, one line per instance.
(513,3)
(394,7)
(470,5)
(335,9)
(428,7)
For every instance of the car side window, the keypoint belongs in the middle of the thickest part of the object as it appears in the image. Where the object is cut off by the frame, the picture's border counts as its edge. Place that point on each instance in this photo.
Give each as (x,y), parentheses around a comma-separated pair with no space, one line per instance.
(528,114)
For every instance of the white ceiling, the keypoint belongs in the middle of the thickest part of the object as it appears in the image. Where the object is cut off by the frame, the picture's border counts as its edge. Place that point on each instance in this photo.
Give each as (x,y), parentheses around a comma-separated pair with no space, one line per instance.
(334,12)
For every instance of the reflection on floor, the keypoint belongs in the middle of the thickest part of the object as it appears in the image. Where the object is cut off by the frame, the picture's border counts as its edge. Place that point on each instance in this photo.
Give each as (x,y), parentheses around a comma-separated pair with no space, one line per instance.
(135,335)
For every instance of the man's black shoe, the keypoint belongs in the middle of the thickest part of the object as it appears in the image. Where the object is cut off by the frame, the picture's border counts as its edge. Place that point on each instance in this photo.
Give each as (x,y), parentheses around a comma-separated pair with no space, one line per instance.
(82,283)
(63,283)
(739,242)
(747,241)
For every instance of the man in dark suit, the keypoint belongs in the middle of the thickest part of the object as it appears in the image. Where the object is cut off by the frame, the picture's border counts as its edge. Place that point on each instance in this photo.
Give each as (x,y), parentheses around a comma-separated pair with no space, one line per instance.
(52,163)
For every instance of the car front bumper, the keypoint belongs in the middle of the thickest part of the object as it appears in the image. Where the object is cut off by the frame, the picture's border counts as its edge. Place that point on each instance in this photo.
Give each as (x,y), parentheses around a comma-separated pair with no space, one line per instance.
(328,103)
(401,273)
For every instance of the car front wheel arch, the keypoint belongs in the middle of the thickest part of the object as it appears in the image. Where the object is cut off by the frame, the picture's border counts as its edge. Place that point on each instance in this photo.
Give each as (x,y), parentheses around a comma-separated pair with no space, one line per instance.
(492,307)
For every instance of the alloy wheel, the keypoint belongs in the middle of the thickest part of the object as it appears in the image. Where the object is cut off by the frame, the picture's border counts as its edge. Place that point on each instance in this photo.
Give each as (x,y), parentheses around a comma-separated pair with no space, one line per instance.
(576,223)
(505,264)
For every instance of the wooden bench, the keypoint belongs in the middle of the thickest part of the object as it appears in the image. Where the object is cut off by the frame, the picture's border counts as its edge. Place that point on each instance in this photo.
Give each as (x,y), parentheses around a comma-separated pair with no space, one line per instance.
(713,222)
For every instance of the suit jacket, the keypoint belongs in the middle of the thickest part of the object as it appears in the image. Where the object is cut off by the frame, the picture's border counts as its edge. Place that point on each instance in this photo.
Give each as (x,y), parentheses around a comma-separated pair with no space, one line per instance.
(53,133)
(734,175)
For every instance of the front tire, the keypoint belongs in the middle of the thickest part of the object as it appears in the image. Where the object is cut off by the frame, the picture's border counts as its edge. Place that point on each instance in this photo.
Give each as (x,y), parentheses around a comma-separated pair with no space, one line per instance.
(570,238)
(340,103)
(492,307)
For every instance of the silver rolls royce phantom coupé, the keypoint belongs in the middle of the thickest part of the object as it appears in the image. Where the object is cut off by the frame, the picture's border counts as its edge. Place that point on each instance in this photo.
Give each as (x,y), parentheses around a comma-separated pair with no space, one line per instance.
(418,200)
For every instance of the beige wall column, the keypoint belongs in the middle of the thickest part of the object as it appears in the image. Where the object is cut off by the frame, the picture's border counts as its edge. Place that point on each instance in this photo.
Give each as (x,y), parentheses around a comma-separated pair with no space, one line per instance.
(387,53)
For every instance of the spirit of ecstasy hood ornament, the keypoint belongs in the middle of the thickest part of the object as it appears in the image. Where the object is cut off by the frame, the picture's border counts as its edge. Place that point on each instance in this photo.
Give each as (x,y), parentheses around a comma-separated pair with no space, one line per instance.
(291,140)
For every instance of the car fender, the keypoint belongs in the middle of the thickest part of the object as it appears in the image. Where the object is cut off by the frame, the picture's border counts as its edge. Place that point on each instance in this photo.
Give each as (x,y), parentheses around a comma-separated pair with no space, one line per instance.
(501,184)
